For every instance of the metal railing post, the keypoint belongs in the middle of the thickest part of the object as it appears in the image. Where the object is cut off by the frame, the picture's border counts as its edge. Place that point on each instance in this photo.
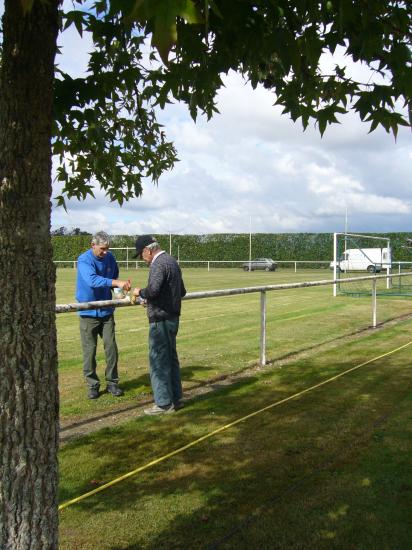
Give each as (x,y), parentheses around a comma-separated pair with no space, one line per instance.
(262,328)
(335,261)
(374,303)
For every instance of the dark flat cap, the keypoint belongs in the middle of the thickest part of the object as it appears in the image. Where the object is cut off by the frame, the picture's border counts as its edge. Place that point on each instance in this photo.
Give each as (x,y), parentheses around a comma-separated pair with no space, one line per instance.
(141,243)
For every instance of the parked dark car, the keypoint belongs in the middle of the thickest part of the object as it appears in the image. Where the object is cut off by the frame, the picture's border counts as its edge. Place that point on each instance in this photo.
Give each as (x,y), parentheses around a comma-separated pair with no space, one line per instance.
(266,264)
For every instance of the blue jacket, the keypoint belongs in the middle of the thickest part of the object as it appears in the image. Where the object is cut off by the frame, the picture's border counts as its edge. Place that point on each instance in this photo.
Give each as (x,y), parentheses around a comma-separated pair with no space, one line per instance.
(94,281)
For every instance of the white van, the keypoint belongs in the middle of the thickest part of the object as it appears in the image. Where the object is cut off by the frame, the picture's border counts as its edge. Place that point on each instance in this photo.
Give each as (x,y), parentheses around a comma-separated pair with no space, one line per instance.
(364,259)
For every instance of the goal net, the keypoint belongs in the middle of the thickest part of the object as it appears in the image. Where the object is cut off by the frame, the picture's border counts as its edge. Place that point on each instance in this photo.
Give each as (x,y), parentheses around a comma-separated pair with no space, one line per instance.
(357,255)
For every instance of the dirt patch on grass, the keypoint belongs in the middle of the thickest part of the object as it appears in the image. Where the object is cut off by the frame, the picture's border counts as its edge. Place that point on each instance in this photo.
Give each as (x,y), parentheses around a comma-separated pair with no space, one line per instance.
(73,428)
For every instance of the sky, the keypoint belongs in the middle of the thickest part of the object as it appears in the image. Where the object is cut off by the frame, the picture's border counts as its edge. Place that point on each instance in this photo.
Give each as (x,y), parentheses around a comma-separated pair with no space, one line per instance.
(252,169)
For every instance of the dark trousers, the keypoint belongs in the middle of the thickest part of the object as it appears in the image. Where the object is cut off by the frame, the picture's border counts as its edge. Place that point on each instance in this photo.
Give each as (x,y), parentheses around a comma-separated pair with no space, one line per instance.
(90,329)
(164,363)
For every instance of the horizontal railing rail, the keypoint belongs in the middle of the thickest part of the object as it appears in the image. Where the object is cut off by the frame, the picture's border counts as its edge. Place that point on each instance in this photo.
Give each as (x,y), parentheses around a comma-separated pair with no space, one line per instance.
(127,301)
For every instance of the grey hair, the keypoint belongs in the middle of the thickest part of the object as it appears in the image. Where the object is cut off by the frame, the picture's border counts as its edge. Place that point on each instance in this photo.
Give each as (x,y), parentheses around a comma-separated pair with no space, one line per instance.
(101,238)
(153,246)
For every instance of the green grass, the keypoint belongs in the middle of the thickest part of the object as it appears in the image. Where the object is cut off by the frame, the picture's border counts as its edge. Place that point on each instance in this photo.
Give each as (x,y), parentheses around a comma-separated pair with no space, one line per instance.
(329,469)
(333,465)
(217,336)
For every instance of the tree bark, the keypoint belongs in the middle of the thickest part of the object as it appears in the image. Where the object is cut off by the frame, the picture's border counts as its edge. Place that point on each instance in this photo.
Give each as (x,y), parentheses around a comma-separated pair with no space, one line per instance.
(28,356)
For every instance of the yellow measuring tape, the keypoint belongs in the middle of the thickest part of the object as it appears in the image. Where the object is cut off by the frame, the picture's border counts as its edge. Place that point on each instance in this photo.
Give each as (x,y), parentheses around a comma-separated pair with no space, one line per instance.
(221,429)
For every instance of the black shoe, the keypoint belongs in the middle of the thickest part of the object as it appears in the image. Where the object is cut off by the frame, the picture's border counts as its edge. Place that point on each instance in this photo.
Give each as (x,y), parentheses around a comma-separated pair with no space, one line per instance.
(93,393)
(115,390)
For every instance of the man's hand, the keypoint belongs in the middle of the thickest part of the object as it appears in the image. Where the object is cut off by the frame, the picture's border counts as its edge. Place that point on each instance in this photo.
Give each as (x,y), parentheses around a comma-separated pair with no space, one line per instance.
(124,285)
(137,298)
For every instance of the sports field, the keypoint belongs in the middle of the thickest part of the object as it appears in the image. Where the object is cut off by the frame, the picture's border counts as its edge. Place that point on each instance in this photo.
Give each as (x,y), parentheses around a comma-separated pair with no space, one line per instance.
(328,468)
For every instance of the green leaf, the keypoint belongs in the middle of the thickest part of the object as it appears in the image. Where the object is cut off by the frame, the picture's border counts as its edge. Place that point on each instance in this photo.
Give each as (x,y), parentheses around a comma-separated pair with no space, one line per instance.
(165,31)
(77,17)
(162,16)
(58,148)
(190,13)
(60,201)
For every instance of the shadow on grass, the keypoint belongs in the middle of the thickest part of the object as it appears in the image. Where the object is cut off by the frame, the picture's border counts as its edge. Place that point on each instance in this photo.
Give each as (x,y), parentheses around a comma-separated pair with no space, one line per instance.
(188,375)
(281,477)
(192,381)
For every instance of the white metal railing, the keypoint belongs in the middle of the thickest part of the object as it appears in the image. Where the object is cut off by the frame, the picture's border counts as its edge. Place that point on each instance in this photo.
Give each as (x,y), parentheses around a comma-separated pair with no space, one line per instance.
(296,263)
(125,302)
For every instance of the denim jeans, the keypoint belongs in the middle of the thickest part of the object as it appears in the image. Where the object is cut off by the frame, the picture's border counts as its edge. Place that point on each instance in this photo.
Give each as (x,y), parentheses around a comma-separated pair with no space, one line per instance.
(164,363)
(90,329)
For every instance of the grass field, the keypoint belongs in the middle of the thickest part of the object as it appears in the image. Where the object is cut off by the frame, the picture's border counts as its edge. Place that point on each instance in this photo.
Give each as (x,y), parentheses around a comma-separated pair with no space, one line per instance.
(217,336)
(329,469)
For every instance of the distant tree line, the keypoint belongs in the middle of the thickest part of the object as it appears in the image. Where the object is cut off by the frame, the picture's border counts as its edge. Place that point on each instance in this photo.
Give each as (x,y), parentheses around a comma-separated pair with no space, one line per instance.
(65,232)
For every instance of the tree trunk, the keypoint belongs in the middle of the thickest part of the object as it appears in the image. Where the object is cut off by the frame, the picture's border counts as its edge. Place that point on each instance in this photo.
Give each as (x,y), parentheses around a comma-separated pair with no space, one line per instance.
(28,357)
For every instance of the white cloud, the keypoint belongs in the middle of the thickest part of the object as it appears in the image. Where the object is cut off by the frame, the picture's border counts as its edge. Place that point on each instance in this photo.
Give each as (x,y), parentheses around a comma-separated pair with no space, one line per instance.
(337,189)
(364,204)
(327,180)
(250,162)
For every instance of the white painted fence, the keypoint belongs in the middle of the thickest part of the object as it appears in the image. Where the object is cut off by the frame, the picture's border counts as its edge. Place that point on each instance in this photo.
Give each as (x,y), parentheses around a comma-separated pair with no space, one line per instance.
(132,263)
(296,264)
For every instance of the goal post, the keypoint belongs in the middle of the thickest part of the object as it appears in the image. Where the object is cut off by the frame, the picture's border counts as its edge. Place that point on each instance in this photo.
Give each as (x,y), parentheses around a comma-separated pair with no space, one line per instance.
(353,252)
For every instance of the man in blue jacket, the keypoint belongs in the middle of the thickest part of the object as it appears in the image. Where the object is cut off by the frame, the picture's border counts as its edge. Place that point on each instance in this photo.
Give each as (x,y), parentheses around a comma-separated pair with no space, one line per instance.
(97,274)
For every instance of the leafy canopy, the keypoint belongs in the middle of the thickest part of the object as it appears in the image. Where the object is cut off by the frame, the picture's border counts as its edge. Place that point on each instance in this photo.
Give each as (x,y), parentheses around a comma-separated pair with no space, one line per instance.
(105,122)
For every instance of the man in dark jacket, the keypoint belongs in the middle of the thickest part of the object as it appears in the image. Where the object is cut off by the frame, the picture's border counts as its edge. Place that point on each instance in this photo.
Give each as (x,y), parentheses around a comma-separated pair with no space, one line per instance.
(163,296)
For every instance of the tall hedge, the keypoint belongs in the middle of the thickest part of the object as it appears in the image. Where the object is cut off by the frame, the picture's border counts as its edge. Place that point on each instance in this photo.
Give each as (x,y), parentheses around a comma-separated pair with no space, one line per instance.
(233,246)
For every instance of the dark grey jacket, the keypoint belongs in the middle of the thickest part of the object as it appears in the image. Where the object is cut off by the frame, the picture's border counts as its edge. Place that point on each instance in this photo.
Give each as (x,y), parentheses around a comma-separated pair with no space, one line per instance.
(165,289)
